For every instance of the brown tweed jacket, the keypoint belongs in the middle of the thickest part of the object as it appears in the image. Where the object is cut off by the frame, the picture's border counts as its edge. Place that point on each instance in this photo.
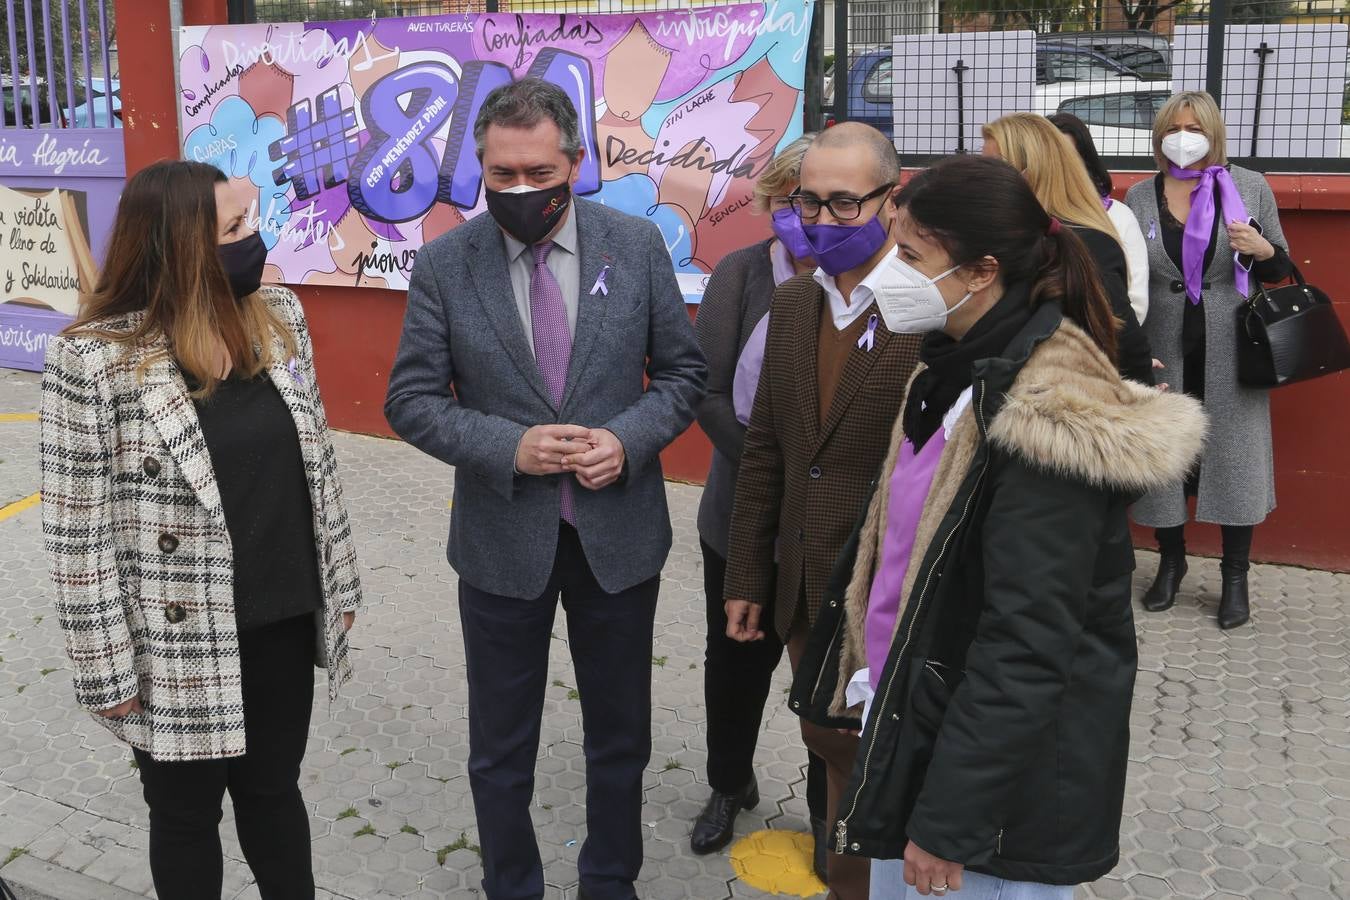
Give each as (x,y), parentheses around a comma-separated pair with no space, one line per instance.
(140,558)
(802,482)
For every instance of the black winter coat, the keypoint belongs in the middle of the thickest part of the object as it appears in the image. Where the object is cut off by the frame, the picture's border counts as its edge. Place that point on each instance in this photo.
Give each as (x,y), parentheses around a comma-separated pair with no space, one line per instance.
(1000,731)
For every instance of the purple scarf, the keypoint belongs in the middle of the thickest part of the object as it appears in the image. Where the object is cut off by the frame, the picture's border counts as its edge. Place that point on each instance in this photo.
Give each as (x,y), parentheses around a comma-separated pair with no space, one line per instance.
(1200,224)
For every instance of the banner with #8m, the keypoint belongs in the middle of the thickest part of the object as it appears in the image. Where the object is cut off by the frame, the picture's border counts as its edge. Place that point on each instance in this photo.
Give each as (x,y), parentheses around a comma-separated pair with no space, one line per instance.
(355,139)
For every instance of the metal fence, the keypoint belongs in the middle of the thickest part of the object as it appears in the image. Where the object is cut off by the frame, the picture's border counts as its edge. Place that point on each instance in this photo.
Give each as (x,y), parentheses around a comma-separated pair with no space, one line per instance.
(328,10)
(1278,67)
(58,65)
(932,72)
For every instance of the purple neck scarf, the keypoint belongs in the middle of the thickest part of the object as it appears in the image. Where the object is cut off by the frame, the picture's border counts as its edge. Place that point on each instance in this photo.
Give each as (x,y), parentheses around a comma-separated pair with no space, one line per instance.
(1200,224)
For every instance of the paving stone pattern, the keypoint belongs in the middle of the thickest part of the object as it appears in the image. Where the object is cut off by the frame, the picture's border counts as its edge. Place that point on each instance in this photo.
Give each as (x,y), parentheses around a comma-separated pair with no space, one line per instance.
(1239,775)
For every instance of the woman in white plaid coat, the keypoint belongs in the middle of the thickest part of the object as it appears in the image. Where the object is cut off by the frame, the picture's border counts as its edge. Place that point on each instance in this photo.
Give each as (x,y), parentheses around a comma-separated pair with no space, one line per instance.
(198,542)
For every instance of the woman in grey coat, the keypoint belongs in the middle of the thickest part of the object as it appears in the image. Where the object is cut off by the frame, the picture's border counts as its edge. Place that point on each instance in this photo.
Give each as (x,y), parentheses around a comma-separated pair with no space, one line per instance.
(1211,228)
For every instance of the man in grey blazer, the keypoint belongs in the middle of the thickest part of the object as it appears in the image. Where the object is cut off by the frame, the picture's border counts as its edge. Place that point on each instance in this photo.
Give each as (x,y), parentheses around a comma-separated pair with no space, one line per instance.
(527,336)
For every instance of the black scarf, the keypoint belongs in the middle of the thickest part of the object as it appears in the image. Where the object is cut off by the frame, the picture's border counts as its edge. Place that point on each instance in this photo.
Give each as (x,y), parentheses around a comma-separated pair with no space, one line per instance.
(950,363)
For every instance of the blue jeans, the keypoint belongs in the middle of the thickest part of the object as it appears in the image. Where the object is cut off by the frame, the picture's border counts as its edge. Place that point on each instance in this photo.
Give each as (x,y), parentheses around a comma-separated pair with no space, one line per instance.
(888,883)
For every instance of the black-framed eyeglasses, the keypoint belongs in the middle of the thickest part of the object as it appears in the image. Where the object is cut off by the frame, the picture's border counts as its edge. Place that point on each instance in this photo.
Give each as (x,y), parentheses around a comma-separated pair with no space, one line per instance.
(845,209)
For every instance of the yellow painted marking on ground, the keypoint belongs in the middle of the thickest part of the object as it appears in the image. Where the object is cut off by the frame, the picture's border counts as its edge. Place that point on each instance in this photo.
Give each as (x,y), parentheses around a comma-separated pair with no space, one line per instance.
(778,862)
(19,506)
(18,417)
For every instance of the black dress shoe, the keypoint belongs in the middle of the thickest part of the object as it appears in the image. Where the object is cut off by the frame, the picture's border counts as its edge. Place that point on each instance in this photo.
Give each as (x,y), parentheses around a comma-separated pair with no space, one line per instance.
(715,826)
(1234,606)
(1163,593)
(822,849)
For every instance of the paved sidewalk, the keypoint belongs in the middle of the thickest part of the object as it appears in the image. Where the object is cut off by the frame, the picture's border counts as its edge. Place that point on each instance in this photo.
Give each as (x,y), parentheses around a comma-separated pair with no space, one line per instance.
(1240,767)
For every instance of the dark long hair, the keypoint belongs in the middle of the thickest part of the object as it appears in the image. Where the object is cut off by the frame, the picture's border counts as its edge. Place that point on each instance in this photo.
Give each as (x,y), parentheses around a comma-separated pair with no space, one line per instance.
(978,207)
(1073,126)
(163,258)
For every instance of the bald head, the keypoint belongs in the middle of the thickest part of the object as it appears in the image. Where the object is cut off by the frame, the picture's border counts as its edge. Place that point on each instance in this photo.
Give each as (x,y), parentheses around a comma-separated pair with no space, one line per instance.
(866,139)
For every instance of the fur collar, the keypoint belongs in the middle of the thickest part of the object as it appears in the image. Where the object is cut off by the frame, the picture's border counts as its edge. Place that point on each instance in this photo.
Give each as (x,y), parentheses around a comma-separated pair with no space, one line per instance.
(1069,412)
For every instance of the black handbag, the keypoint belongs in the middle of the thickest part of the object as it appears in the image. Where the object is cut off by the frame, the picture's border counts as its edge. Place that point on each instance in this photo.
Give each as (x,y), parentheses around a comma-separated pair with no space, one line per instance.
(1289,334)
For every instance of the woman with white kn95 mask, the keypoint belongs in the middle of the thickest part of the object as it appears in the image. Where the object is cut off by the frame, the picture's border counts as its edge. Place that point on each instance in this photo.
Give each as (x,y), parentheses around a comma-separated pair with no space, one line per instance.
(1213,230)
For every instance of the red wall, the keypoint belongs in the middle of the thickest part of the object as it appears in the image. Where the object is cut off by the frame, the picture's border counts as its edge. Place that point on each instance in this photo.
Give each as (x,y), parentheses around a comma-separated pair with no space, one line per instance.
(356,330)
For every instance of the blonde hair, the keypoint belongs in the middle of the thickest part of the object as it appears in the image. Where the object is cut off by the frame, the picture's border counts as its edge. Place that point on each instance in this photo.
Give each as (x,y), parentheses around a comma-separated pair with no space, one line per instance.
(1052,167)
(784,171)
(1207,116)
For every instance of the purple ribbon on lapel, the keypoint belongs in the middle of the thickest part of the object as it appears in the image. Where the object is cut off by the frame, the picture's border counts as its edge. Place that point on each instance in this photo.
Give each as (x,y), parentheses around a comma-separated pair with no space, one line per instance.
(294,369)
(869,337)
(1107,201)
(600,287)
(1200,224)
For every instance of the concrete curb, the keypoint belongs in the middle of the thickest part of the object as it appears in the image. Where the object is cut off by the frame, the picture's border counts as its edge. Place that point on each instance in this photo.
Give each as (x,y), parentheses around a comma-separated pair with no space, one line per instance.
(33,879)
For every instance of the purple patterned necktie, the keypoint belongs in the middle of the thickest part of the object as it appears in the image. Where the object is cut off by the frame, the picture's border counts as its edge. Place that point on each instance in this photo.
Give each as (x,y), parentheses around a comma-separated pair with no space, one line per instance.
(552,343)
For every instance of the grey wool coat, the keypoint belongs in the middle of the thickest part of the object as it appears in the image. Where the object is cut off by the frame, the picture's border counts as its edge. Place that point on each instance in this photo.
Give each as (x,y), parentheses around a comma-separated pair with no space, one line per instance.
(1237,470)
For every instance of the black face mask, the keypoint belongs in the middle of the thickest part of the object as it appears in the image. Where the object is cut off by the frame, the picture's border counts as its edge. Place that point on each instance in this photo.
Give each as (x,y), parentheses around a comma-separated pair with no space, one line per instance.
(243,262)
(529,216)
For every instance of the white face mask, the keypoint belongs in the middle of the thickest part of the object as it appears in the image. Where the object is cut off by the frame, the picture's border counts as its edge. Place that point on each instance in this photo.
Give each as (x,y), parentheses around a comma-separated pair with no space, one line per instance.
(1185,147)
(910,301)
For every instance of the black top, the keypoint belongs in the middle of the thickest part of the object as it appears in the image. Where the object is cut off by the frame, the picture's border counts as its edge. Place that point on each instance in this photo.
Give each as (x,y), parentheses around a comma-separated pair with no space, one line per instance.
(1134,355)
(1277,268)
(255,452)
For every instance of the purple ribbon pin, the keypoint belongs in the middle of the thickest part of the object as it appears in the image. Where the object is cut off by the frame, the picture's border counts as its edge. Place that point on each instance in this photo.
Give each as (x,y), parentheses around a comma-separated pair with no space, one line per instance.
(600,287)
(1152,229)
(869,337)
(294,369)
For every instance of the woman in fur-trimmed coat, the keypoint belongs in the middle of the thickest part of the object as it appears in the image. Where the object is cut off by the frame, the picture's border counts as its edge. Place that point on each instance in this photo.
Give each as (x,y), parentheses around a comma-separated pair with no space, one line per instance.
(979,624)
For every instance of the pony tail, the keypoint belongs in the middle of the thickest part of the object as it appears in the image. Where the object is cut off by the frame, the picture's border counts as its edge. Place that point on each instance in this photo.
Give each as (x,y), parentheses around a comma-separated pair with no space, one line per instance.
(1069,277)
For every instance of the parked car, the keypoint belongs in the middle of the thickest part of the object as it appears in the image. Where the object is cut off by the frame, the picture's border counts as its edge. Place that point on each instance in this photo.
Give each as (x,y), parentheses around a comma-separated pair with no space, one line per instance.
(22,93)
(1119,115)
(870,82)
(1147,54)
(93,113)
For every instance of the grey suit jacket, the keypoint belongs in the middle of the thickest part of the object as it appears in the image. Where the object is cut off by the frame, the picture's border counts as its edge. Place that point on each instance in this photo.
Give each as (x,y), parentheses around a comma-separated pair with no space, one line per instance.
(465,387)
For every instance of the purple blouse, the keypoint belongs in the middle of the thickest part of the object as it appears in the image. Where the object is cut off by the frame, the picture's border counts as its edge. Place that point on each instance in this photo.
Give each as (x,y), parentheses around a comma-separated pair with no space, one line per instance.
(746,380)
(910,483)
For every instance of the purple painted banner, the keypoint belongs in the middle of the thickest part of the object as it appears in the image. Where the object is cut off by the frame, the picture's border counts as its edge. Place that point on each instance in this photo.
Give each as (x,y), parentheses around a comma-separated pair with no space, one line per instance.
(24,334)
(58,196)
(61,153)
(354,141)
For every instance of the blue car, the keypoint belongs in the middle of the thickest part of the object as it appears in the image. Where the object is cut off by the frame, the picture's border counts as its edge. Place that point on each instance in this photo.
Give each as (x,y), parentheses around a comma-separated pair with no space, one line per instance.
(94,112)
(870,82)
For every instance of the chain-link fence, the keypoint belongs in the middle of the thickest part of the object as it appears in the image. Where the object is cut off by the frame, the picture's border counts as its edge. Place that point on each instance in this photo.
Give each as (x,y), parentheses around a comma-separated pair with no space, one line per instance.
(932,72)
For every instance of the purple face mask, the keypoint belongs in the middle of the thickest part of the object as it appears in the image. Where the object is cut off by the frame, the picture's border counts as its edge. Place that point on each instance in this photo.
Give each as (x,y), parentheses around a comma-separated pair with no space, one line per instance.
(838,248)
(787,227)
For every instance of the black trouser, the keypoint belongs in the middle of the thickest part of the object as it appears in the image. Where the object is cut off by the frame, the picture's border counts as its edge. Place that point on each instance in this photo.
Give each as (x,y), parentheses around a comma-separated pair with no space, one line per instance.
(736,683)
(186,861)
(506,649)
(1237,544)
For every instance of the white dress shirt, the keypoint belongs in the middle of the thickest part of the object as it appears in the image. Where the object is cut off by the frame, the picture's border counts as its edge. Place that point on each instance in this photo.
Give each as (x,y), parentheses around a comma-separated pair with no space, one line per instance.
(845,313)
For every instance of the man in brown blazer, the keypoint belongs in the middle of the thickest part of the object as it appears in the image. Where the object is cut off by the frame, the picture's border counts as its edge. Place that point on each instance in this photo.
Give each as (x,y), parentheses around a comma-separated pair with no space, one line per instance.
(829,393)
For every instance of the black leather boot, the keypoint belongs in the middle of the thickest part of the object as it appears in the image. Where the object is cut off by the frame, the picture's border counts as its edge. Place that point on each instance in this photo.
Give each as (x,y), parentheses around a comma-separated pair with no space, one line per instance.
(1234,606)
(1163,592)
(714,827)
(821,854)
